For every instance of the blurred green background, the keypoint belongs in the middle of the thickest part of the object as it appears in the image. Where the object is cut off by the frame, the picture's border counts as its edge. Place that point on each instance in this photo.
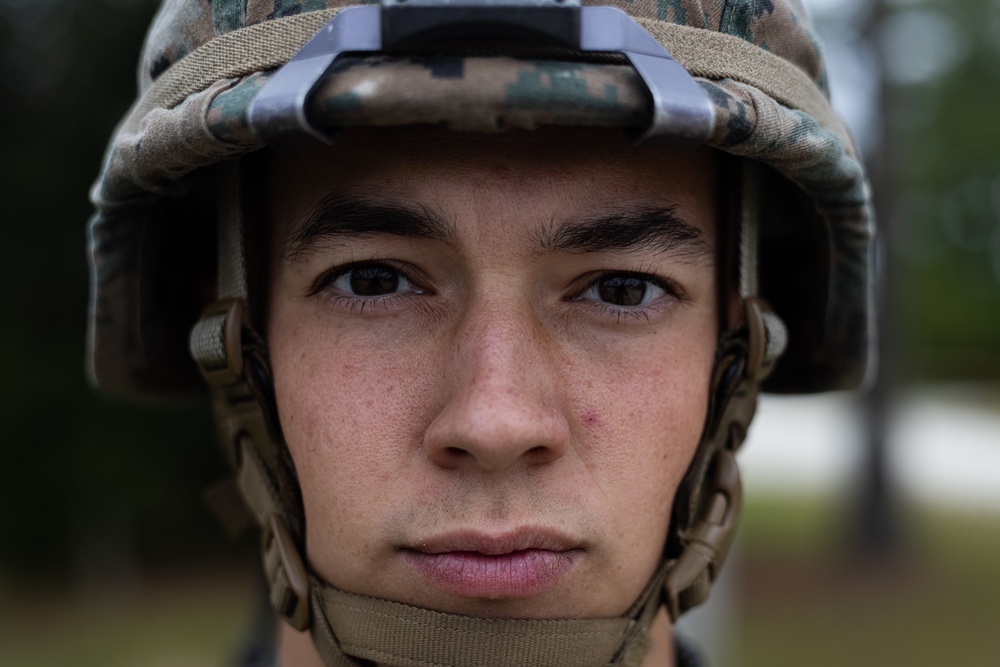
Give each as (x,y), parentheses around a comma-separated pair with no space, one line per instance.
(107,554)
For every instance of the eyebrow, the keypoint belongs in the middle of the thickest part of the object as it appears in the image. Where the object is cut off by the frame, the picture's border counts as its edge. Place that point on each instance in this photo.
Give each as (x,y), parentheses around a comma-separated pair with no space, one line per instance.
(350,216)
(659,228)
(339,216)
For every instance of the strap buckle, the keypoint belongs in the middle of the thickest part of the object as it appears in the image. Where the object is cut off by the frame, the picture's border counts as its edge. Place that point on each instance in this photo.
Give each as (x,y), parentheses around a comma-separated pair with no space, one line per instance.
(707,543)
(216,342)
(682,113)
(292,600)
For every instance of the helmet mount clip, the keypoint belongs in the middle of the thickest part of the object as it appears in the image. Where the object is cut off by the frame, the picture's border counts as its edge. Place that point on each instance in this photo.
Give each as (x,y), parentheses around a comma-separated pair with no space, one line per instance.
(682,115)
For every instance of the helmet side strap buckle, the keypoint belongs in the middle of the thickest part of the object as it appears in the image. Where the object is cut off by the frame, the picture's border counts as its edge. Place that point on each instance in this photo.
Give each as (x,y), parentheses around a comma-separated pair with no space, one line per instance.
(217,342)
(707,542)
(242,404)
(292,599)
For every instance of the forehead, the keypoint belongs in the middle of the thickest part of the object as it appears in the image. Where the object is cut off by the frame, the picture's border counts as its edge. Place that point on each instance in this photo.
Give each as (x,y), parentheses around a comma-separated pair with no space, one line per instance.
(537,176)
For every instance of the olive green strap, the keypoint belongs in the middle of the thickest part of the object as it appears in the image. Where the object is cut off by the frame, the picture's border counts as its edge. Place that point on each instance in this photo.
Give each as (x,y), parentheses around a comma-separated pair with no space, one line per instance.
(405,636)
(232,278)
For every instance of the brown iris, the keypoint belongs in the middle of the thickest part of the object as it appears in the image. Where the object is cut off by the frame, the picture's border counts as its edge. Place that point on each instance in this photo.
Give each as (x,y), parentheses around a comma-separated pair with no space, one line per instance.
(622,290)
(374,281)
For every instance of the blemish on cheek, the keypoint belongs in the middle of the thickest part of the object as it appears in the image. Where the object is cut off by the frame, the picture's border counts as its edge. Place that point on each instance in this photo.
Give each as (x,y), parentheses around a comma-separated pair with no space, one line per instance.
(590,418)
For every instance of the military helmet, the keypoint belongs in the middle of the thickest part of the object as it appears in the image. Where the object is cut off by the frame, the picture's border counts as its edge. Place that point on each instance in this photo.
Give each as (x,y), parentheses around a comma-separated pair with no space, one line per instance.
(221,80)
(204,63)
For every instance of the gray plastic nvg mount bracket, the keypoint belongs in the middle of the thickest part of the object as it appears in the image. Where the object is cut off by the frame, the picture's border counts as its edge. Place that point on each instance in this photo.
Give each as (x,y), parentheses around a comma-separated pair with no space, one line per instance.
(682,114)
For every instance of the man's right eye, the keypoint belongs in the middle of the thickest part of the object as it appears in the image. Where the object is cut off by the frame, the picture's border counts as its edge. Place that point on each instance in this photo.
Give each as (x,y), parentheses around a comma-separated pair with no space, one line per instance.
(370,279)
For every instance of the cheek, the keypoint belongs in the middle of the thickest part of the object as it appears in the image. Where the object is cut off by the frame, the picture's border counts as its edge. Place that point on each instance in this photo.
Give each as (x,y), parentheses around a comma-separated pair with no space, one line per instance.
(340,400)
(654,394)
(641,421)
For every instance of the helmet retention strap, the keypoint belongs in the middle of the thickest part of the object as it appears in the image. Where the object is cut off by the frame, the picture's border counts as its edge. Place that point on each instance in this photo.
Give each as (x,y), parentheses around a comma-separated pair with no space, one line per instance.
(233,359)
(707,506)
(767,334)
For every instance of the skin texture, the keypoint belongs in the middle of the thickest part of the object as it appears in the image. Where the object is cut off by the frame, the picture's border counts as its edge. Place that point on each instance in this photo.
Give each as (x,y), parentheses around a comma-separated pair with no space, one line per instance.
(493,396)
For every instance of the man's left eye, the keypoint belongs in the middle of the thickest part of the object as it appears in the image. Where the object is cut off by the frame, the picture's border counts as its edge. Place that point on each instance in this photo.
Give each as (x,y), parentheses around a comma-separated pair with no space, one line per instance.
(624,290)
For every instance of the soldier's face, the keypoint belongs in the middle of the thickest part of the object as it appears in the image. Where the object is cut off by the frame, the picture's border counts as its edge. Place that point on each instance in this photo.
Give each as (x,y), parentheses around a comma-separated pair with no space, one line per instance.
(491,359)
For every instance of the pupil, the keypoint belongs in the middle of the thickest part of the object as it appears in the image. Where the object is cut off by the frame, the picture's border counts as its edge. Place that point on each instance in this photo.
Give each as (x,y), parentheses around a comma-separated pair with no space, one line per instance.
(622,291)
(374,281)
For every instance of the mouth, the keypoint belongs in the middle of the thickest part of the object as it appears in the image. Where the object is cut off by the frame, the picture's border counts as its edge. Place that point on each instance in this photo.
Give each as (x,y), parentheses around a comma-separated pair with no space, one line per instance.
(518,564)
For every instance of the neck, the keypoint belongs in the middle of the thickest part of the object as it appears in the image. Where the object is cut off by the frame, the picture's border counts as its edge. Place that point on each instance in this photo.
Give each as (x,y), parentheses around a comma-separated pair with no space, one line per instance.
(661,645)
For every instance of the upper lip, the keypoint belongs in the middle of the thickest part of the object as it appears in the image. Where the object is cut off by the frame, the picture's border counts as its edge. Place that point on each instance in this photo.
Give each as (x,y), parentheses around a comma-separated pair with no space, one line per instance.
(496,544)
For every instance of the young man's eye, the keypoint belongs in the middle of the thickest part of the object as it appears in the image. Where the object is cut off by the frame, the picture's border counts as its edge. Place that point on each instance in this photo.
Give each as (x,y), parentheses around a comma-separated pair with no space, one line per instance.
(625,290)
(370,279)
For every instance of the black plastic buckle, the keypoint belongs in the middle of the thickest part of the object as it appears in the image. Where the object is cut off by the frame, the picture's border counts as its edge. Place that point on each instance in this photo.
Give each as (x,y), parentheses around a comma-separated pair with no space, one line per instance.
(682,112)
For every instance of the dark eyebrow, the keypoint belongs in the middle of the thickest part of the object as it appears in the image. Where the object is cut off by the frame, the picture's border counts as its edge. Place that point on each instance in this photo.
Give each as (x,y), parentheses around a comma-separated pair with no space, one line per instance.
(660,228)
(348,216)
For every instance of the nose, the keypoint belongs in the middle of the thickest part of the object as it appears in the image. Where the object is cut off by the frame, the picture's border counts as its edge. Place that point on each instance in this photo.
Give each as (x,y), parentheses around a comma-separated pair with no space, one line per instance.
(501,410)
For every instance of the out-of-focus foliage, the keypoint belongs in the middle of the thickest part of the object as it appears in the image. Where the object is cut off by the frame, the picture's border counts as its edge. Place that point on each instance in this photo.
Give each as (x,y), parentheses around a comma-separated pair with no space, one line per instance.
(934,145)
(89,485)
(943,62)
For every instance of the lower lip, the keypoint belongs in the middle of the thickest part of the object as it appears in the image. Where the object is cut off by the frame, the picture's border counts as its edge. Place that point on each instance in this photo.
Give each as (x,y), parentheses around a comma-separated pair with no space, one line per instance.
(472,574)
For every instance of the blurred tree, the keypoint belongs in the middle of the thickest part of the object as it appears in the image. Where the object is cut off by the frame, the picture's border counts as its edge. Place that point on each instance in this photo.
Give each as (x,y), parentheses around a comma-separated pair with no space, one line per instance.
(934,144)
(91,485)
(942,59)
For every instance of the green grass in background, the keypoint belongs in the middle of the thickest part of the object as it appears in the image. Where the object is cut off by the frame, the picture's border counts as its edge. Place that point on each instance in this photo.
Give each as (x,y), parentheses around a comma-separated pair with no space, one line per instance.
(167,620)
(810,600)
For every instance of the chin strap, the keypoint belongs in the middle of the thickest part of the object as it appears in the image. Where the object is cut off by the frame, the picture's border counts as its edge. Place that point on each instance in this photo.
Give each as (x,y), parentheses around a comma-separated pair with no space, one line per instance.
(354,630)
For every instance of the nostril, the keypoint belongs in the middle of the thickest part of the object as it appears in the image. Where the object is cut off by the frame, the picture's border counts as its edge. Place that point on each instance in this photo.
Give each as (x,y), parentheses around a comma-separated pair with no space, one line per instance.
(455,453)
(450,457)
(539,454)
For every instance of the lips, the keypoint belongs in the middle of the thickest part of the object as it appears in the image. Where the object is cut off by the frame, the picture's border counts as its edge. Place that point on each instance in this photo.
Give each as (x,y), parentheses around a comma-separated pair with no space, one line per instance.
(521,563)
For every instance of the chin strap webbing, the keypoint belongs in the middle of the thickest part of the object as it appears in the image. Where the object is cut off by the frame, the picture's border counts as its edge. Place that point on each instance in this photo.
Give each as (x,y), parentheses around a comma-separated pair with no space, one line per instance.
(404,636)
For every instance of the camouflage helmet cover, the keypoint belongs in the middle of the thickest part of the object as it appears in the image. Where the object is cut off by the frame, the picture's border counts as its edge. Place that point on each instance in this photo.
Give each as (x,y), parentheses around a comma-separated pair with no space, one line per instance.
(757,60)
